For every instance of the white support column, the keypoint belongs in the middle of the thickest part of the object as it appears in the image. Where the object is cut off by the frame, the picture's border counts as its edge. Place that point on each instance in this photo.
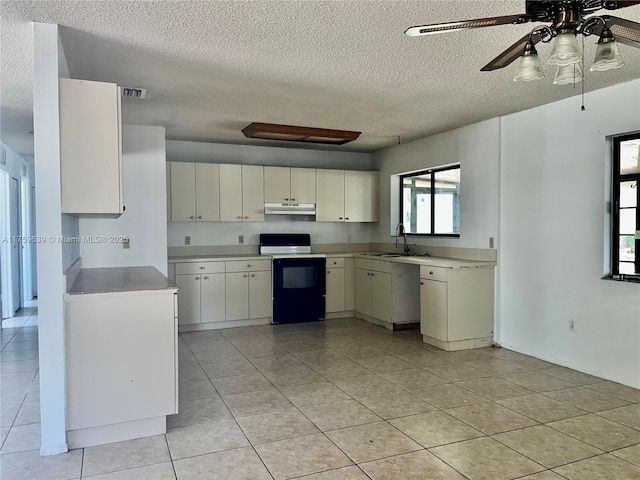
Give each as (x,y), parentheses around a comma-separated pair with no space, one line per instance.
(46,70)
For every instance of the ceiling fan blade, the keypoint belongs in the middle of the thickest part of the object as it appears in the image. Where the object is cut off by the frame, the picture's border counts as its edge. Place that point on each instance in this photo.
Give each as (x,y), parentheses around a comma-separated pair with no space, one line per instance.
(511,53)
(615,4)
(478,23)
(624,31)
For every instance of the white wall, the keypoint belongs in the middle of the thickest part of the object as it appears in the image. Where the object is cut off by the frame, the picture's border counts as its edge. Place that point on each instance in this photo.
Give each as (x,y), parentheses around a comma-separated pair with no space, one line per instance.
(226,233)
(476,148)
(145,218)
(554,191)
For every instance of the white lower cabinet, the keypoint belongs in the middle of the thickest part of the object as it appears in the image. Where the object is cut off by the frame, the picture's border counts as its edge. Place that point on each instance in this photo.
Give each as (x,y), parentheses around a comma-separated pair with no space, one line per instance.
(456,306)
(386,293)
(335,290)
(119,384)
(248,289)
(223,291)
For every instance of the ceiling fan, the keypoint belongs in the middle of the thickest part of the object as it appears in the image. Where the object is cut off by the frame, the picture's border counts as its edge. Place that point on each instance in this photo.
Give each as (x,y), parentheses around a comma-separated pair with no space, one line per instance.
(567,19)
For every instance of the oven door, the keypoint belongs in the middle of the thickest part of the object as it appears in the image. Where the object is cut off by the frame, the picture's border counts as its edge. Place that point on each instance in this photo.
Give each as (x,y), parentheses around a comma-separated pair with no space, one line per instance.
(299,290)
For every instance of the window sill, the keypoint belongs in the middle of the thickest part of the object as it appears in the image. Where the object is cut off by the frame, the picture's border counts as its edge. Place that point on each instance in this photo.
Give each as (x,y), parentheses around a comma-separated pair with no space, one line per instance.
(623,278)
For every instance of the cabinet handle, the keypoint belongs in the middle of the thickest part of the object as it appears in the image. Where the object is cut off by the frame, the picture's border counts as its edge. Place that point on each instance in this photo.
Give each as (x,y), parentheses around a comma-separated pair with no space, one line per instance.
(293,199)
(201,268)
(430,273)
(287,199)
(328,272)
(205,278)
(192,217)
(200,217)
(340,218)
(244,276)
(197,278)
(335,263)
(346,218)
(246,218)
(248,265)
(253,275)
(240,217)
(421,283)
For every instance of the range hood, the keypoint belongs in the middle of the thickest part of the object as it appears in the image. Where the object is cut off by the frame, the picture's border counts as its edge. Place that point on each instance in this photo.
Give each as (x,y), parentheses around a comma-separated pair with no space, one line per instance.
(289,208)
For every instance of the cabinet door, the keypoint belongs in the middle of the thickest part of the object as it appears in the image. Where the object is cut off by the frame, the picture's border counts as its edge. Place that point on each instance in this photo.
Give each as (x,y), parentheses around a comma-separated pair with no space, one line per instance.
(335,290)
(362,291)
(183,192)
(349,284)
(252,193)
(277,181)
(303,185)
(188,299)
(361,196)
(207,192)
(212,297)
(381,296)
(90,147)
(260,296)
(433,309)
(329,195)
(237,296)
(230,193)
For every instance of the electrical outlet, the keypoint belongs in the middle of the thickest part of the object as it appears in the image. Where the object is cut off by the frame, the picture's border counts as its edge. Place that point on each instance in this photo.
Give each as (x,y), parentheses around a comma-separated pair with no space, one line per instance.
(125,243)
(492,243)
(241,239)
(572,325)
(187,239)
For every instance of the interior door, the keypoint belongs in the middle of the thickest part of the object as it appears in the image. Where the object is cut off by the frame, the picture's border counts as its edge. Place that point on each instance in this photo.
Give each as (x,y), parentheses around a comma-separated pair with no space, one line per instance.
(16,246)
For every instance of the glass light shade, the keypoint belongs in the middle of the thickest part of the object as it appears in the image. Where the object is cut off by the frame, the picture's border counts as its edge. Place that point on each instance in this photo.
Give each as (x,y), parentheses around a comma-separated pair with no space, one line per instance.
(529,69)
(607,57)
(568,74)
(565,50)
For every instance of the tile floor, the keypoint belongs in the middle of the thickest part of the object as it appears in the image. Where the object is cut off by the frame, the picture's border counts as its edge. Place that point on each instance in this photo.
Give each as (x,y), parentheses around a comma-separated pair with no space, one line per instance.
(344,400)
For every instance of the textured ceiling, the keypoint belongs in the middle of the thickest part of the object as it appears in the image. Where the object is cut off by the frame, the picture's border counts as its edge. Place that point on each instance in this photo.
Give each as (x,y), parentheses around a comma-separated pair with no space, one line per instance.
(212,67)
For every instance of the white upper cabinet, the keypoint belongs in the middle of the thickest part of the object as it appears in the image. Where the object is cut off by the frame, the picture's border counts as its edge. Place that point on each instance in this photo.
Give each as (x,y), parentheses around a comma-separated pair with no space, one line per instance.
(195,192)
(90,148)
(207,192)
(288,185)
(183,192)
(230,193)
(277,184)
(347,196)
(330,195)
(252,193)
(241,193)
(361,196)
(303,185)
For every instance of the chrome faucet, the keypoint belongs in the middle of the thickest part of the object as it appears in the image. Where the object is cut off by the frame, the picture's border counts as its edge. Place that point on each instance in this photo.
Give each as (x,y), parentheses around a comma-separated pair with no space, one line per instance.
(400,230)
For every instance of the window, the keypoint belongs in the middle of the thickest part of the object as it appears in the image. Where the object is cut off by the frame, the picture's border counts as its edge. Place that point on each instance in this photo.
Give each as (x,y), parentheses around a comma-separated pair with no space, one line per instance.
(430,202)
(625,243)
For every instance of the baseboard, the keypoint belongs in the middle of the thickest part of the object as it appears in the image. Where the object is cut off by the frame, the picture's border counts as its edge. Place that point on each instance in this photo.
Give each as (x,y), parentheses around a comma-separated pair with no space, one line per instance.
(30,304)
(119,432)
(196,327)
(458,344)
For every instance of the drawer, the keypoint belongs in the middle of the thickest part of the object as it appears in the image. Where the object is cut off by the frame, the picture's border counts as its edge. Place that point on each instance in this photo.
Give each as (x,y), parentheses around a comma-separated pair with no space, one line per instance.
(433,273)
(335,262)
(248,265)
(199,267)
(375,265)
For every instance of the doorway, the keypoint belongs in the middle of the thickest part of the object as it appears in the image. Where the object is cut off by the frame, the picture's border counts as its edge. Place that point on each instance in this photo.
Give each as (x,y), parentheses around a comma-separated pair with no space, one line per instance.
(10,246)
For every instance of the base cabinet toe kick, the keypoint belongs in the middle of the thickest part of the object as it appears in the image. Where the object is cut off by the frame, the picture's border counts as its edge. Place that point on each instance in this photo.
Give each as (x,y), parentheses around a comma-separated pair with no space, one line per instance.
(456,306)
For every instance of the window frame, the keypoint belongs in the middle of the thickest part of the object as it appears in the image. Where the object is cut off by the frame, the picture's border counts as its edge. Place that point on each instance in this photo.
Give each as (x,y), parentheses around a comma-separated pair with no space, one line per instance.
(432,171)
(616,179)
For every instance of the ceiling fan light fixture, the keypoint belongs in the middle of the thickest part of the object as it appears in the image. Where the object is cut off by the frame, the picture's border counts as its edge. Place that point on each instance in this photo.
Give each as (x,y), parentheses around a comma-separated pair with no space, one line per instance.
(607,53)
(568,74)
(565,49)
(292,133)
(529,67)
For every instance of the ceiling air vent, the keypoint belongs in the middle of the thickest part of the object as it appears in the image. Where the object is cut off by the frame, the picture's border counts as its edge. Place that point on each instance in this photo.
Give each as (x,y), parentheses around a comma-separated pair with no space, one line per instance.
(129,92)
(270,131)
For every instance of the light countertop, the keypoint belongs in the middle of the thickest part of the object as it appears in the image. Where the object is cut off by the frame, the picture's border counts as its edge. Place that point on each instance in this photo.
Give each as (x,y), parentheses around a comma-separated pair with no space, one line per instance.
(119,279)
